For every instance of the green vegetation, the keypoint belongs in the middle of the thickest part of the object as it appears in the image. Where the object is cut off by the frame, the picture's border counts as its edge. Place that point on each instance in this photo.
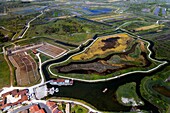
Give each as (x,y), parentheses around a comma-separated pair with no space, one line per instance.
(160,12)
(69,30)
(44,57)
(5,35)
(159,99)
(126,95)
(135,24)
(72,99)
(78,109)
(14,24)
(136,53)
(161,43)
(50,16)
(4,72)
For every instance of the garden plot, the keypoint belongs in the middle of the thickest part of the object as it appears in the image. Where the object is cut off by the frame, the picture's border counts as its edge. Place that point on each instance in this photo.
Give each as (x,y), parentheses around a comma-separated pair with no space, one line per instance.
(26,69)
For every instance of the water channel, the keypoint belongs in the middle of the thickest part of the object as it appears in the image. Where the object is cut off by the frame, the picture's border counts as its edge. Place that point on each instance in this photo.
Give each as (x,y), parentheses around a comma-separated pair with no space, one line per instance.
(92,92)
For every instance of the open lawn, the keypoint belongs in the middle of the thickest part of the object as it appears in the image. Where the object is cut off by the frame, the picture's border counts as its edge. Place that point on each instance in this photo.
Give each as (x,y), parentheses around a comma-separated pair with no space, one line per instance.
(4,72)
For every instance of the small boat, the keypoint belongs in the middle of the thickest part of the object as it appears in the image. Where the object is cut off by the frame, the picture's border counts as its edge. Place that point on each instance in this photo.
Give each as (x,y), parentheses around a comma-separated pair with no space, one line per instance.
(105,90)
(61,82)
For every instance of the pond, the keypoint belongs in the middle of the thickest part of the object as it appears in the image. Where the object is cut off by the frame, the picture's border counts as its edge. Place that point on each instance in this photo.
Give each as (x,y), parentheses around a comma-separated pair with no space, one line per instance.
(98,11)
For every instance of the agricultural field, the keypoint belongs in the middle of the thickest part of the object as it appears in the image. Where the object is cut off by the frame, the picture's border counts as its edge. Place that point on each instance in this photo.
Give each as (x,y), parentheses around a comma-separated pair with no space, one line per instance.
(26,69)
(117,53)
(107,17)
(148,27)
(126,95)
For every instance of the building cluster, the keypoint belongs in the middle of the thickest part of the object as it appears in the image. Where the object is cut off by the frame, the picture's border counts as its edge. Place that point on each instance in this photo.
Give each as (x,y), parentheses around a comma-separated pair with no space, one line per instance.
(37,108)
(13,98)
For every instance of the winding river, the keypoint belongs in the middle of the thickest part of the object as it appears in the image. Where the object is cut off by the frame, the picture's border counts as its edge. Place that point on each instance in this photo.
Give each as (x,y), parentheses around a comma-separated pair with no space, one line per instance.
(92,92)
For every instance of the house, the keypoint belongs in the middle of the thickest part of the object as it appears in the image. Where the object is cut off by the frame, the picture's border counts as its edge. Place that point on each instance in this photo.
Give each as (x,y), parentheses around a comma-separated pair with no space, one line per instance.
(34,108)
(53,107)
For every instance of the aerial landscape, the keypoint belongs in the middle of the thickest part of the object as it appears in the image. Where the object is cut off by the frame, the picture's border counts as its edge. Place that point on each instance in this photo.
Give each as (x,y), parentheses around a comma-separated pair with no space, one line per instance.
(85,56)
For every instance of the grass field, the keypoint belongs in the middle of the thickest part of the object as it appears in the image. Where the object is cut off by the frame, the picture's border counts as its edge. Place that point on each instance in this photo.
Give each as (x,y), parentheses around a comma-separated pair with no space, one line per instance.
(78,109)
(4,72)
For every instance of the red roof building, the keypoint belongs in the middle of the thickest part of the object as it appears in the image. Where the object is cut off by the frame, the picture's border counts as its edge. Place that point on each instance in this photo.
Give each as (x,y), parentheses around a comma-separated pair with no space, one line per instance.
(41,111)
(53,107)
(34,109)
(22,93)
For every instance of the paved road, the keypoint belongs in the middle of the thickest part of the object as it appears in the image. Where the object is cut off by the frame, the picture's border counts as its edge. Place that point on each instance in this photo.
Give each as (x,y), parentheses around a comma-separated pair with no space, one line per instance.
(40,64)
(22,108)
(28,24)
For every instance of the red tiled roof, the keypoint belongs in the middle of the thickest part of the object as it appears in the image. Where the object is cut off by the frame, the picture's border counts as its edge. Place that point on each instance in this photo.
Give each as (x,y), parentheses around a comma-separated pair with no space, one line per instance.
(59,80)
(53,107)
(23,92)
(41,111)
(50,104)
(24,98)
(34,108)
(14,93)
